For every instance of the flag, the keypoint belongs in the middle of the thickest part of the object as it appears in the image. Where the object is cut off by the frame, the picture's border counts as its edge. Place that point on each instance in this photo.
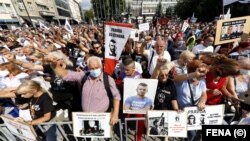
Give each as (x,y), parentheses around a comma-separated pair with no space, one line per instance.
(193,19)
(116,36)
(42,26)
(184,26)
(227,2)
(68,27)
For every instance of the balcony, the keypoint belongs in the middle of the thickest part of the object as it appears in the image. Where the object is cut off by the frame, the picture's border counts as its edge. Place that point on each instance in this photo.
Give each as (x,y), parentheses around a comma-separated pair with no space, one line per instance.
(46,13)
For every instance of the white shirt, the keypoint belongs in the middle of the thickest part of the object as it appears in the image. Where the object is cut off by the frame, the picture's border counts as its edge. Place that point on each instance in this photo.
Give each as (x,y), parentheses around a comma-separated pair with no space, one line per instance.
(201,48)
(152,66)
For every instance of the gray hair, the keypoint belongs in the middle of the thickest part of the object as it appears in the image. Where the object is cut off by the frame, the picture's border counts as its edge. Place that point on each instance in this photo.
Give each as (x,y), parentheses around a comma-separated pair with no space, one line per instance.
(61,55)
(94,58)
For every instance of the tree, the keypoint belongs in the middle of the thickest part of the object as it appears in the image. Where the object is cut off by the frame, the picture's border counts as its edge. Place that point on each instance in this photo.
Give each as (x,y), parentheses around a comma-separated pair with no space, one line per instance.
(158,11)
(207,10)
(89,14)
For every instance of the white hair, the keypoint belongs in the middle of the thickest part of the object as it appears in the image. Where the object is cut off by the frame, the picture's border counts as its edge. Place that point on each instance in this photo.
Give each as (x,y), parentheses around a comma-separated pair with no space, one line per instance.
(61,55)
(94,58)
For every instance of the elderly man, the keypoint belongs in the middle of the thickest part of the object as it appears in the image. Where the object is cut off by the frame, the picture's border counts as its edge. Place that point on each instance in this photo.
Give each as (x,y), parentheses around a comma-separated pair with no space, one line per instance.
(94,95)
(153,55)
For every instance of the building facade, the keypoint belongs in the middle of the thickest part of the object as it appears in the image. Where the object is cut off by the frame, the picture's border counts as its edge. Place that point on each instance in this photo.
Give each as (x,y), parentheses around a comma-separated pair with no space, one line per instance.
(75,10)
(147,8)
(8,15)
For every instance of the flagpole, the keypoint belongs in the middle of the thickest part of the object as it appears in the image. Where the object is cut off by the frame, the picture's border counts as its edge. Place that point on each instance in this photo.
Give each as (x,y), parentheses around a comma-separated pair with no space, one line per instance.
(223,9)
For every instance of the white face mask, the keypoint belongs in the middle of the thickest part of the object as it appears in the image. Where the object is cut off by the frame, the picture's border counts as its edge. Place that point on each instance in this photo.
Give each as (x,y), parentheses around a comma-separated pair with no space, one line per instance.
(4,73)
(244,71)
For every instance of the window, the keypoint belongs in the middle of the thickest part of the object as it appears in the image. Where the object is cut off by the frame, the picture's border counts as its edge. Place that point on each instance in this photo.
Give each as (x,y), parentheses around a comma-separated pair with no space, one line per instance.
(30,6)
(8,8)
(1,8)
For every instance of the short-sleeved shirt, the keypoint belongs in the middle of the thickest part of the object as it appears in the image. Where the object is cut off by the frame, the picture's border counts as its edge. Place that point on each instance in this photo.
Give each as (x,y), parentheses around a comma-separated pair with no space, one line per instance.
(42,105)
(165,93)
(136,102)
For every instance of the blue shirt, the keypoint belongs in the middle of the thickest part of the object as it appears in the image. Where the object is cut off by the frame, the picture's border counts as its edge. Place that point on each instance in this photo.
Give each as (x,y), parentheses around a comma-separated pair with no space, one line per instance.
(136,102)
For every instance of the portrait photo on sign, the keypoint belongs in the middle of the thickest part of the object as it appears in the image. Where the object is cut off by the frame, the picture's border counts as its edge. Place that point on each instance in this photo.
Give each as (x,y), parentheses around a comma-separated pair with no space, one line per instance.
(157,123)
(139,95)
(91,125)
(231,30)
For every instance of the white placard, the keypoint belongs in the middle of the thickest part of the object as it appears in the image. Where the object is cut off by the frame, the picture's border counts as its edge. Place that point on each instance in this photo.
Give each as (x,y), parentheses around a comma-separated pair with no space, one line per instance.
(167,123)
(91,125)
(144,27)
(139,95)
(20,129)
(134,34)
(211,115)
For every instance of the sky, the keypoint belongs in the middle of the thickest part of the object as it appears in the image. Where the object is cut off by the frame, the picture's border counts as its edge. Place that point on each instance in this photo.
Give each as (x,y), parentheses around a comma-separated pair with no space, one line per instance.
(85,4)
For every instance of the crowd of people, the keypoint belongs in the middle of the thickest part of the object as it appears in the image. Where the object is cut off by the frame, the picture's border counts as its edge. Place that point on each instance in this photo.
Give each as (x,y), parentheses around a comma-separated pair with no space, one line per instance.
(41,70)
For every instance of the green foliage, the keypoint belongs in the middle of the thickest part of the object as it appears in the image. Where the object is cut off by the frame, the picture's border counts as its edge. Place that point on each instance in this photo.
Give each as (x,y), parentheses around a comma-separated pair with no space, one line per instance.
(89,15)
(158,12)
(207,10)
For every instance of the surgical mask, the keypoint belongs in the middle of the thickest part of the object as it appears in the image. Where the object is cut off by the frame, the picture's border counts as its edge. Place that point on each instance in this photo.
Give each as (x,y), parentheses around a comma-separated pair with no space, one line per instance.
(95,73)
(4,73)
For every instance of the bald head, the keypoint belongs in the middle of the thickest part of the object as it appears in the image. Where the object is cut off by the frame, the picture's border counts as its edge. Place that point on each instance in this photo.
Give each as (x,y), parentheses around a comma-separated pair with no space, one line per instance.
(160,46)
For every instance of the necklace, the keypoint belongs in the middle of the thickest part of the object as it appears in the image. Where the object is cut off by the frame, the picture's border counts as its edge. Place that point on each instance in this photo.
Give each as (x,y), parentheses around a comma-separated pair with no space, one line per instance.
(32,107)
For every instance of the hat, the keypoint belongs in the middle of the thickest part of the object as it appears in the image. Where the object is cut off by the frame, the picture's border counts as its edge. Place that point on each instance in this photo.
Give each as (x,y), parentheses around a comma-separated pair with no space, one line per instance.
(245,101)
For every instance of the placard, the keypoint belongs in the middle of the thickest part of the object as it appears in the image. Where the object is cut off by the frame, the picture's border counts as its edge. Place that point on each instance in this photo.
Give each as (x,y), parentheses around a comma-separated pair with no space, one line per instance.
(139,95)
(167,124)
(211,115)
(91,125)
(144,27)
(231,30)
(134,34)
(20,129)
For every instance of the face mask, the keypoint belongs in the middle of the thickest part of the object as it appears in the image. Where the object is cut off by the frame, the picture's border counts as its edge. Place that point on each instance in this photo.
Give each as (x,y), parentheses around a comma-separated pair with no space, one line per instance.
(95,73)
(4,73)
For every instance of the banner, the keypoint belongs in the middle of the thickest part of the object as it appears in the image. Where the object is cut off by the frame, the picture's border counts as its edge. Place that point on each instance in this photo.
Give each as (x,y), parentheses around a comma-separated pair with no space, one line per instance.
(144,27)
(116,36)
(184,26)
(193,19)
(231,30)
(211,115)
(139,95)
(227,2)
(91,125)
(163,21)
(167,124)
(68,27)
(20,129)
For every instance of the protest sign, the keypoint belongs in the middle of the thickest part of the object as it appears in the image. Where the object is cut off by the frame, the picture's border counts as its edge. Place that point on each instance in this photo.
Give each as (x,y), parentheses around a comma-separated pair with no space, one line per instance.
(231,30)
(184,26)
(134,34)
(167,123)
(20,129)
(116,36)
(211,115)
(91,125)
(144,27)
(139,95)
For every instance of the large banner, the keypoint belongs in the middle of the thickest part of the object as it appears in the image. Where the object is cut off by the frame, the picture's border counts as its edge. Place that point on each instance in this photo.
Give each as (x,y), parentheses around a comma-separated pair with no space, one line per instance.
(231,30)
(20,129)
(116,36)
(211,115)
(139,95)
(167,124)
(91,125)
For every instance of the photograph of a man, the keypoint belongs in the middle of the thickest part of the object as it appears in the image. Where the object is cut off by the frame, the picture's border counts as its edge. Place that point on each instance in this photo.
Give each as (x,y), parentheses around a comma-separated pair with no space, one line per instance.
(191,120)
(240,29)
(139,101)
(112,47)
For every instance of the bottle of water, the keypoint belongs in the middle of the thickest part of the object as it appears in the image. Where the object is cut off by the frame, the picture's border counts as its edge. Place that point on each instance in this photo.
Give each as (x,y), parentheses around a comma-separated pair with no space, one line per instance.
(2,85)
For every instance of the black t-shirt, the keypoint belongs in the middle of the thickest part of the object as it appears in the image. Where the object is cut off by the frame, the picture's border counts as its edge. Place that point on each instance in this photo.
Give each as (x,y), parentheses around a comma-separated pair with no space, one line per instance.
(166,92)
(42,105)
(142,59)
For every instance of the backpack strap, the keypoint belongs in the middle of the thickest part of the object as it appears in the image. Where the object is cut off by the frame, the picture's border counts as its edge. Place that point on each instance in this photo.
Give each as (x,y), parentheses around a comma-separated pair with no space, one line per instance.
(85,77)
(108,90)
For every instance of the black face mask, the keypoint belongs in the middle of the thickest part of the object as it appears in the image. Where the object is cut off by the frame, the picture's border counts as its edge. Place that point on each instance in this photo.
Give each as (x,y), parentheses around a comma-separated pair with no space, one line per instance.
(218,73)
